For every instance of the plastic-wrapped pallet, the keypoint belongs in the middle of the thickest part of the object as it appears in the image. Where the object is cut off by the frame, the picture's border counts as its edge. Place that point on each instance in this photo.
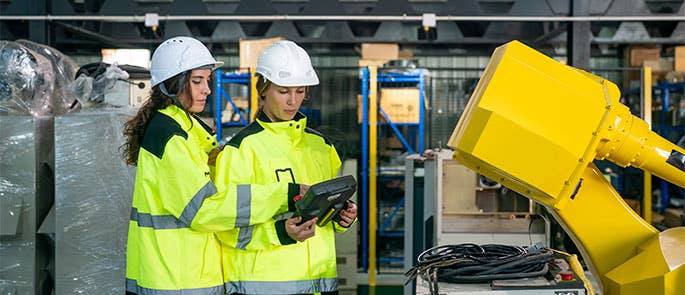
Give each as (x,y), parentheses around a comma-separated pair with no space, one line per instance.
(93,189)
(92,184)
(63,71)
(17,203)
(27,104)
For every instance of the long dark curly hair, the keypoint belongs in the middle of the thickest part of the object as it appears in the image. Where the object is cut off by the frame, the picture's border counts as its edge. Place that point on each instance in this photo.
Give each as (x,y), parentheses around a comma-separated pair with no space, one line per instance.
(134,129)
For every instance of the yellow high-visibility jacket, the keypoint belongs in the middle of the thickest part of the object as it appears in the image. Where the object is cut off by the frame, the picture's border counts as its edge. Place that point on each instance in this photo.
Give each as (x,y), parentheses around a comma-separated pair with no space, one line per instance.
(176,209)
(263,259)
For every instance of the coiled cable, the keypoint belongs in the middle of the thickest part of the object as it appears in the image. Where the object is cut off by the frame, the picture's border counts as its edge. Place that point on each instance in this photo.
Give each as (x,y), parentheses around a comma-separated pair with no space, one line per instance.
(471,263)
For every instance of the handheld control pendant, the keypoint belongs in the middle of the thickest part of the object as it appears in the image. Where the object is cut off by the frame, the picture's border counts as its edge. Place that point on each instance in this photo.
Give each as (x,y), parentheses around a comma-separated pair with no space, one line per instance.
(326,199)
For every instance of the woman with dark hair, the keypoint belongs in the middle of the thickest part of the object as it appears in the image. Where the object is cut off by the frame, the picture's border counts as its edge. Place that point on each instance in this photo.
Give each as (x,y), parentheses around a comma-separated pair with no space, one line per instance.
(176,208)
(278,256)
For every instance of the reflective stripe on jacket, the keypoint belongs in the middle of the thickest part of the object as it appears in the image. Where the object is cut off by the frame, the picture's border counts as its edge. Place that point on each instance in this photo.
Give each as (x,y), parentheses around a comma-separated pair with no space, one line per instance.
(263,259)
(176,209)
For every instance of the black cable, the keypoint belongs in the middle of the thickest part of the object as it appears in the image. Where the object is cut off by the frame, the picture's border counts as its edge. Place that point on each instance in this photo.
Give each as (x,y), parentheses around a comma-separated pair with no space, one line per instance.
(471,263)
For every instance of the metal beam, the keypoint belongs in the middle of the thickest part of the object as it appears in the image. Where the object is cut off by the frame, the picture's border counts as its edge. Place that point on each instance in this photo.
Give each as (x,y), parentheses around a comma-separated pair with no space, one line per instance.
(176,28)
(338,30)
(228,31)
(679,32)
(417,18)
(631,31)
(284,28)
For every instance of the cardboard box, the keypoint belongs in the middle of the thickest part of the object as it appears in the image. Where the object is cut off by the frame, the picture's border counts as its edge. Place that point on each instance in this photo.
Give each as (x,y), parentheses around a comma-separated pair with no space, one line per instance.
(632,78)
(391,142)
(230,115)
(657,218)
(371,62)
(401,104)
(674,217)
(676,77)
(679,59)
(659,69)
(380,51)
(241,102)
(405,53)
(251,49)
(634,204)
(638,54)
(659,66)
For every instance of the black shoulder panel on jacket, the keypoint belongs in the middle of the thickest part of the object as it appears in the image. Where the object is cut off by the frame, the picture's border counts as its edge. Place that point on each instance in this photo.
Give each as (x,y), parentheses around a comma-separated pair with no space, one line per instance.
(312,131)
(253,128)
(159,131)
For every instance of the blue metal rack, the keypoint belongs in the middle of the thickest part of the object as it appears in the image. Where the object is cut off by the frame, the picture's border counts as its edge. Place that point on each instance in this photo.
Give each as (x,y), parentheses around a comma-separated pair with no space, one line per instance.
(664,129)
(220,94)
(415,79)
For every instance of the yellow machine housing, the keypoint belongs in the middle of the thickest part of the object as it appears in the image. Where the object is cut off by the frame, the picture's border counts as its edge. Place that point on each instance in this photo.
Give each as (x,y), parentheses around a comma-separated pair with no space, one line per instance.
(536,125)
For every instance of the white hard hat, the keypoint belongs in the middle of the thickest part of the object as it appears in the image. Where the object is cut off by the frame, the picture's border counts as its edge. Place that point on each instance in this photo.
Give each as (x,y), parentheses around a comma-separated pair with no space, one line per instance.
(284,63)
(177,55)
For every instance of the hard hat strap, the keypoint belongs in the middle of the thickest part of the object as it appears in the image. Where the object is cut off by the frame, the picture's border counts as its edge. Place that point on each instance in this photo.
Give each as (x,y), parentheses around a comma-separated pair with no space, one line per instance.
(174,97)
(162,87)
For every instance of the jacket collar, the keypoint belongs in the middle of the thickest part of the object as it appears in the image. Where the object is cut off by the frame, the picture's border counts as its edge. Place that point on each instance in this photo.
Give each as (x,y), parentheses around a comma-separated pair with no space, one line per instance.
(264,118)
(293,129)
(179,115)
(192,125)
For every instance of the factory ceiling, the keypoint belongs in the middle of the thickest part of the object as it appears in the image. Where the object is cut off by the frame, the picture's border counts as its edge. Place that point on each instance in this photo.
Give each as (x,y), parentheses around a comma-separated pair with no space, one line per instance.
(86,26)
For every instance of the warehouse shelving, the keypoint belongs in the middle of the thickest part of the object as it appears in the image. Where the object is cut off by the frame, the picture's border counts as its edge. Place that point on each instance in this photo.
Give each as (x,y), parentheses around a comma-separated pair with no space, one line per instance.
(221,94)
(415,134)
(667,123)
(667,129)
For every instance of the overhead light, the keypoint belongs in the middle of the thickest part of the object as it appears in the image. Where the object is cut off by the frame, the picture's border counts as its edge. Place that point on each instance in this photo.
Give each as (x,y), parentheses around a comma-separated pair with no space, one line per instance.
(428,24)
(429,20)
(152,20)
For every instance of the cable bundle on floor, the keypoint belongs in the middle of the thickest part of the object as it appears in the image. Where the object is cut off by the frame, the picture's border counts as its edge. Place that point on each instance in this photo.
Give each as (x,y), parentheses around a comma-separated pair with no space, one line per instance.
(471,263)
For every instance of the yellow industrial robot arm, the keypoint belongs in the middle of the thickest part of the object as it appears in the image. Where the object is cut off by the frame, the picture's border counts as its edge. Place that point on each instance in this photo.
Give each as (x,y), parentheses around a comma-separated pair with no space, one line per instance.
(535,125)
